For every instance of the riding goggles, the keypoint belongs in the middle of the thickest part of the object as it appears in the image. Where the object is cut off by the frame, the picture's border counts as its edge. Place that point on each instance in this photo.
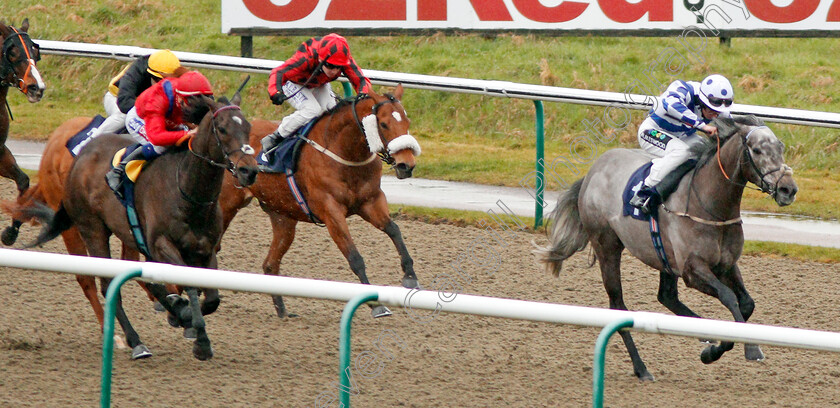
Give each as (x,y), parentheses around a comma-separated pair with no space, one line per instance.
(331,66)
(717,102)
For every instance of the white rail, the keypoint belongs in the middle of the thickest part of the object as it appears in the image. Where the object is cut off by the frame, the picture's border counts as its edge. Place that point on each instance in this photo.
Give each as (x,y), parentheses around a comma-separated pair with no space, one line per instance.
(436,83)
(426,300)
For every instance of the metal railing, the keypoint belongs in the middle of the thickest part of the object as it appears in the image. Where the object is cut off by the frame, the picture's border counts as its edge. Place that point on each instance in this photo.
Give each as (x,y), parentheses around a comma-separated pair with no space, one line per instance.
(503,89)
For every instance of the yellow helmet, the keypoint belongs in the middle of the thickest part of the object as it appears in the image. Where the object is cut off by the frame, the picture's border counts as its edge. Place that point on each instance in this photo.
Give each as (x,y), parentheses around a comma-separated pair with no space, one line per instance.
(163,62)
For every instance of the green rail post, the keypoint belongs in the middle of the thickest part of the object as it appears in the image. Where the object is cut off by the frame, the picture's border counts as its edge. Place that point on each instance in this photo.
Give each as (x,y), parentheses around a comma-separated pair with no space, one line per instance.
(540,187)
(344,344)
(348,89)
(108,333)
(600,354)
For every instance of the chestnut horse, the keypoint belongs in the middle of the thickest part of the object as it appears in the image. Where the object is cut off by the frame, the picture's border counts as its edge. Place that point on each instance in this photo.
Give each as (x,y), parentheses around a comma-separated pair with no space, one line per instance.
(176,202)
(700,224)
(55,165)
(18,57)
(338,175)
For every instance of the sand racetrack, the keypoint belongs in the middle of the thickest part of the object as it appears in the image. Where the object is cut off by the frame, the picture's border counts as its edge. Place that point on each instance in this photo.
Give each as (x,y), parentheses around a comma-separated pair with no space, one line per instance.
(50,343)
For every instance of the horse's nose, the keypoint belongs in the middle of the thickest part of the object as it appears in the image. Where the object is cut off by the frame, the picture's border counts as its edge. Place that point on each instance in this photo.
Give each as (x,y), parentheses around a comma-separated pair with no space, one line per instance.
(247,175)
(34,93)
(786,194)
(403,170)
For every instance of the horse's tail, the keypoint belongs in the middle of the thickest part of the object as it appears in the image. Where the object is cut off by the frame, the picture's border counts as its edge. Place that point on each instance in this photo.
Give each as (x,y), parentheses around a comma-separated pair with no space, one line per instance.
(565,231)
(55,222)
(15,209)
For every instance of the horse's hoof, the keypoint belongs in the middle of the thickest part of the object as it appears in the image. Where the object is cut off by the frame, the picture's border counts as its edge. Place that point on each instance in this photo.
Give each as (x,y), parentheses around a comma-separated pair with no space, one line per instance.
(159,307)
(708,355)
(141,351)
(380,311)
(753,352)
(708,341)
(190,333)
(645,377)
(202,353)
(9,236)
(410,283)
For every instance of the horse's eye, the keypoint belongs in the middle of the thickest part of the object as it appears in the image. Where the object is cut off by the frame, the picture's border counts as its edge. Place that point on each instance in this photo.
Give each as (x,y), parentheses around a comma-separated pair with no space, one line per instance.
(383,125)
(756,151)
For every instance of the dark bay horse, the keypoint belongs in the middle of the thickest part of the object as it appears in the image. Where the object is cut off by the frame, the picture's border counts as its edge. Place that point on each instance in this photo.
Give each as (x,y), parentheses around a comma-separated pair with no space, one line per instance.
(699,223)
(176,198)
(336,184)
(18,57)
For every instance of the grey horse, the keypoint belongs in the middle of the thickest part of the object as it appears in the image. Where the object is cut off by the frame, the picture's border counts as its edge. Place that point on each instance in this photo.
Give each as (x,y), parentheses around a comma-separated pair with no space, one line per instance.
(699,223)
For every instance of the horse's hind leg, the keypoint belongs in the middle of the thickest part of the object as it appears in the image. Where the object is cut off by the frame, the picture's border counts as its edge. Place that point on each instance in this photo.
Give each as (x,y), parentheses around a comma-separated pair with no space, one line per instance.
(697,275)
(746,304)
(376,213)
(282,235)
(608,249)
(10,170)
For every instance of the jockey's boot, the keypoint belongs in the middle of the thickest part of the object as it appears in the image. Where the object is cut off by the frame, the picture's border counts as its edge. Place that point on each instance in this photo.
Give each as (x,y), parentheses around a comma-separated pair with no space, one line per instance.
(644,199)
(272,140)
(116,175)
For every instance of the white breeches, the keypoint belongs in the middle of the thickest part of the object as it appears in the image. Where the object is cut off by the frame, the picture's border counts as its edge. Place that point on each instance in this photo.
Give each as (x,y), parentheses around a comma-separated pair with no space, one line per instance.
(115,120)
(670,151)
(308,104)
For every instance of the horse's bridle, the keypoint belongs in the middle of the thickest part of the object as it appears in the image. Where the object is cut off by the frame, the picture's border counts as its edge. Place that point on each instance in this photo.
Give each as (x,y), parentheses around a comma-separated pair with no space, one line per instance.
(7,65)
(764,186)
(383,153)
(229,165)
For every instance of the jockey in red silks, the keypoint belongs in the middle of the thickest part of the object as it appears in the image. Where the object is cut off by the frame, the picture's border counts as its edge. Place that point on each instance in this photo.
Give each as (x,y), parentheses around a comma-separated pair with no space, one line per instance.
(160,116)
(304,80)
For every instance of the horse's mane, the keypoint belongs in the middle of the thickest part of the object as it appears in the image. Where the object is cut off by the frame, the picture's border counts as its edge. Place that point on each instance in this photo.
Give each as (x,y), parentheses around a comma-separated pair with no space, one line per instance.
(345,102)
(727,127)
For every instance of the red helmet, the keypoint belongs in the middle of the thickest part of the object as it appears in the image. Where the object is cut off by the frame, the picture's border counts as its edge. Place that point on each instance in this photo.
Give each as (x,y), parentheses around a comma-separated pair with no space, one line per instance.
(335,51)
(192,83)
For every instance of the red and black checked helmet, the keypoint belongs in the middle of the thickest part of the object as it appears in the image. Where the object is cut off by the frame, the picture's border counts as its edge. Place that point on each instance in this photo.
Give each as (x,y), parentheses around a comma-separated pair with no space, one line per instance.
(335,51)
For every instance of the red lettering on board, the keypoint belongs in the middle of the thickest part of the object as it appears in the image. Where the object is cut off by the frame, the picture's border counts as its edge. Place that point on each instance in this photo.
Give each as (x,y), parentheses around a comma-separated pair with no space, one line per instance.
(295,10)
(565,11)
(796,11)
(361,10)
(621,11)
(486,10)
(833,12)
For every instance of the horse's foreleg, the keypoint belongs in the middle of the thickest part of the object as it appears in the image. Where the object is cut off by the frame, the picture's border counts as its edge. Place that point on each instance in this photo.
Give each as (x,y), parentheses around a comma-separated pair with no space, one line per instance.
(376,213)
(10,170)
(608,251)
(697,275)
(201,347)
(669,296)
(734,281)
(339,231)
(282,235)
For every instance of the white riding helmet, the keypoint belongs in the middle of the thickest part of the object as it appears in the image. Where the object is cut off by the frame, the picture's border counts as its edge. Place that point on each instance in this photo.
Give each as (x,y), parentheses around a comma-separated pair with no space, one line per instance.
(716,93)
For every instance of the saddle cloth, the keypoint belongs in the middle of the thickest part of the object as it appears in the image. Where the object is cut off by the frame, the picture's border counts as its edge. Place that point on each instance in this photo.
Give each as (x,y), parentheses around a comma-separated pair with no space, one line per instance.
(285,156)
(79,140)
(633,185)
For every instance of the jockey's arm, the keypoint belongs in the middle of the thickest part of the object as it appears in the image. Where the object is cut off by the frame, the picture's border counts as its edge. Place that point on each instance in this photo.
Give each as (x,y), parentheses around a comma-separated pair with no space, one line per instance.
(353,73)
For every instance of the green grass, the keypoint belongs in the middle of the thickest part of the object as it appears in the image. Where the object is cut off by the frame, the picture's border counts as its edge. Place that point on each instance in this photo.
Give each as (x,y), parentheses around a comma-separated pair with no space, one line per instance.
(464,137)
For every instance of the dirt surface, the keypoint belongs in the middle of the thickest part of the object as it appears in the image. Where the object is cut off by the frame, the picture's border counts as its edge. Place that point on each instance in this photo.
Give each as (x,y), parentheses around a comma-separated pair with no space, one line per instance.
(50,344)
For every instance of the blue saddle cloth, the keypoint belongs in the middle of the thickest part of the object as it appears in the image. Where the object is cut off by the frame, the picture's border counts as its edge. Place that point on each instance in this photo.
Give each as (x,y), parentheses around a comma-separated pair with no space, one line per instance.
(284,158)
(79,140)
(634,184)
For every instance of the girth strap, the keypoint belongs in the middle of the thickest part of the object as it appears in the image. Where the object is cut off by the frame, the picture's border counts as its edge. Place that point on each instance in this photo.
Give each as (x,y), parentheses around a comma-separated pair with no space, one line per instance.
(658,246)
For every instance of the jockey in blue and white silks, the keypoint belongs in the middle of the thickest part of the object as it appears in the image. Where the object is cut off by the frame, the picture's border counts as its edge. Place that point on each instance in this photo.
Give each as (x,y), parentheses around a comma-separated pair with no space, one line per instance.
(671,127)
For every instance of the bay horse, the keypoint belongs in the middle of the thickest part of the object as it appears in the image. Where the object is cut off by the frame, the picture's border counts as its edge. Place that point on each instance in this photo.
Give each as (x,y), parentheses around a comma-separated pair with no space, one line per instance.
(18,57)
(699,223)
(176,199)
(53,169)
(339,176)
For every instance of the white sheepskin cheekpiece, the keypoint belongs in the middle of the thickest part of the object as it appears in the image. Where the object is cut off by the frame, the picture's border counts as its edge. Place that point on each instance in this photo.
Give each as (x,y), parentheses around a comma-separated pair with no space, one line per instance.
(405,141)
(372,134)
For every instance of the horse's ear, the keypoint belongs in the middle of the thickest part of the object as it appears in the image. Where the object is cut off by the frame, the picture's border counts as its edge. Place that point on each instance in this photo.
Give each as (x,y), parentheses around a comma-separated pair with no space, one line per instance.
(398,92)
(24,26)
(224,100)
(236,100)
(749,120)
(726,127)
